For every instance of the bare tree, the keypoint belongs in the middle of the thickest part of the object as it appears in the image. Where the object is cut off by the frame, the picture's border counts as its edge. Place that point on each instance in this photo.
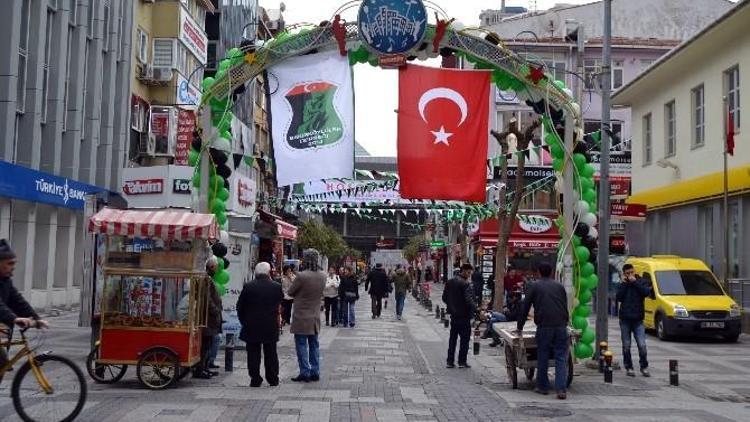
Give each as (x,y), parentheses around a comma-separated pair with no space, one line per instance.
(506,215)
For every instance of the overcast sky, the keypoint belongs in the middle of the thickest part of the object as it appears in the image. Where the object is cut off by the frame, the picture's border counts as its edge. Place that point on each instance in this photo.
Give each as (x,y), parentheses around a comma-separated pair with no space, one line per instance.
(376,90)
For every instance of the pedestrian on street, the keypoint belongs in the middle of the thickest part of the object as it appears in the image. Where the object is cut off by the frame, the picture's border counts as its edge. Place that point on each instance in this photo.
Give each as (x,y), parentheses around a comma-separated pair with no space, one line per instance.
(213,326)
(510,313)
(630,296)
(550,303)
(402,283)
(477,281)
(286,282)
(428,276)
(458,296)
(349,295)
(256,310)
(307,291)
(331,297)
(378,288)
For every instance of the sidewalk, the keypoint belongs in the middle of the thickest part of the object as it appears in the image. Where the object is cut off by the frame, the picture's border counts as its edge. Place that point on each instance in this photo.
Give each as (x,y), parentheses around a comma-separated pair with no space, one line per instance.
(391,371)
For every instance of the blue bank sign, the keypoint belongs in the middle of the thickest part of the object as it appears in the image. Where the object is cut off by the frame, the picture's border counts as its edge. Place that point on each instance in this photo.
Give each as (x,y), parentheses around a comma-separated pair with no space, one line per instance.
(392,26)
(35,186)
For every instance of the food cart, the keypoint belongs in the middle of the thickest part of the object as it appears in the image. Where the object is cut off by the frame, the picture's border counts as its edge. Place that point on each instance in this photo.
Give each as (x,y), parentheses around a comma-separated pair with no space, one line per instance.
(521,351)
(153,296)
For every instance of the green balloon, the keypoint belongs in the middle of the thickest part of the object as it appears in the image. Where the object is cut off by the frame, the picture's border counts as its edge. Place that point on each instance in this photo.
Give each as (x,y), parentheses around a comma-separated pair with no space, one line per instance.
(218,206)
(207,82)
(582,253)
(583,350)
(556,151)
(219,264)
(220,74)
(551,139)
(584,296)
(579,323)
(560,84)
(579,160)
(592,281)
(588,336)
(222,194)
(374,61)
(557,164)
(193,157)
(216,181)
(589,195)
(582,311)
(586,183)
(587,171)
(224,65)
(221,277)
(576,241)
(587,269)
(197,179)
(221,219)
(221,289)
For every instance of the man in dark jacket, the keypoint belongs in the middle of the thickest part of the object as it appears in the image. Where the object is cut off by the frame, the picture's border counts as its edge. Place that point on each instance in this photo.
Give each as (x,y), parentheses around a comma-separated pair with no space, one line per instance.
(550,302)
(458,296)
(257,309)
(378,282)
(630,295)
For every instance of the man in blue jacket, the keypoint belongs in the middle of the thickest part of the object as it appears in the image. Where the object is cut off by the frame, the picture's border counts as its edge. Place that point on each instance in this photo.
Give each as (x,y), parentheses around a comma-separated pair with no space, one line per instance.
(630,296)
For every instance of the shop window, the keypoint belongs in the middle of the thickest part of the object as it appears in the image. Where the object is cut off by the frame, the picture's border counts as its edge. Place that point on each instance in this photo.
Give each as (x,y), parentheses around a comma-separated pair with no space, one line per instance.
(670,129)
(732,92)
(699,116)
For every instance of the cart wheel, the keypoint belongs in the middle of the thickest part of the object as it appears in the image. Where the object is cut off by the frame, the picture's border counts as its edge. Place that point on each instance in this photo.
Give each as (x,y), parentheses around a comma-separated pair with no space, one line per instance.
(570,369)
(103,373)
(158,368)
(510,366)
(529,372)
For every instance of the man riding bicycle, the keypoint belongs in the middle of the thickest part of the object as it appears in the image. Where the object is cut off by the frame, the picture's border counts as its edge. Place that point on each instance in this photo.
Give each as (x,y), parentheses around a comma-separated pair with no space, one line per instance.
(14,309)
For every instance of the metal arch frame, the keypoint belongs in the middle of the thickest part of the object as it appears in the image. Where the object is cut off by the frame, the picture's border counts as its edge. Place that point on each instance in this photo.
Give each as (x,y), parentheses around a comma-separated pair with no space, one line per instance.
(322,38)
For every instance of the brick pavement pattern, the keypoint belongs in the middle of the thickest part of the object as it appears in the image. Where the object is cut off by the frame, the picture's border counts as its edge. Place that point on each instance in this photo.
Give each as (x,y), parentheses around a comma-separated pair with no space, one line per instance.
(387,370)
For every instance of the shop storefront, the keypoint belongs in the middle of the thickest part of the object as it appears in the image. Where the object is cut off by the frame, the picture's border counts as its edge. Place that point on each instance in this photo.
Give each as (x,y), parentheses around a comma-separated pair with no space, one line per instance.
(277,239)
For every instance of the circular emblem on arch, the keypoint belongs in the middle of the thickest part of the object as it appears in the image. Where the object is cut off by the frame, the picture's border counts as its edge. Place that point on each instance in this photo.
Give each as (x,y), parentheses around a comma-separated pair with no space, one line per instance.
(392,26)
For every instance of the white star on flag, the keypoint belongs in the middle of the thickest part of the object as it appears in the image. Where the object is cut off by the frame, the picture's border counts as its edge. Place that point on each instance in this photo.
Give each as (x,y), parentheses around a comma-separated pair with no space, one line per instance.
(441,137)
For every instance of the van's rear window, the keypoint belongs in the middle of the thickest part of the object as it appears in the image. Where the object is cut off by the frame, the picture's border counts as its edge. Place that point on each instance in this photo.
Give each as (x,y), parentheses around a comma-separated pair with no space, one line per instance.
(699,283)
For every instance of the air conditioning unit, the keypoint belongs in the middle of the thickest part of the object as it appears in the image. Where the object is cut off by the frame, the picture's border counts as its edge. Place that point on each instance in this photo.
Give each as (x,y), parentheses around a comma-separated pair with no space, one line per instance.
(162,74)
(147,144)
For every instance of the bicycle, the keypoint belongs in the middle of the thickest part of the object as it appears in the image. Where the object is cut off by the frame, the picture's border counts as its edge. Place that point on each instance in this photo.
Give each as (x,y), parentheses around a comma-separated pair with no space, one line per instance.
(57,384)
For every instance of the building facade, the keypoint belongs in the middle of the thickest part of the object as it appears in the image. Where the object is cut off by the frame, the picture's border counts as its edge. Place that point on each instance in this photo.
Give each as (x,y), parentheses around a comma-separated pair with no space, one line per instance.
(679,127)
(64,119)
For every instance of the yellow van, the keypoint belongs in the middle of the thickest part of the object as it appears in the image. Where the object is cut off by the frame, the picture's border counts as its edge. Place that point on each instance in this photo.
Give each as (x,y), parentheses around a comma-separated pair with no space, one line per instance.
(687,299)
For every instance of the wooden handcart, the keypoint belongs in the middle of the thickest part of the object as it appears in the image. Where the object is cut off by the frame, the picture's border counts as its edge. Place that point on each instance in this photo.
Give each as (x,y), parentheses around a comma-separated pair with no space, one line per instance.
(521,351)
(152,300)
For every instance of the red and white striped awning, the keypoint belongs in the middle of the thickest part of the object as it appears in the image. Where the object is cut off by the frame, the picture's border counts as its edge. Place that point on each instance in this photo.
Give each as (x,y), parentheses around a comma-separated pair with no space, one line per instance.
(167,225)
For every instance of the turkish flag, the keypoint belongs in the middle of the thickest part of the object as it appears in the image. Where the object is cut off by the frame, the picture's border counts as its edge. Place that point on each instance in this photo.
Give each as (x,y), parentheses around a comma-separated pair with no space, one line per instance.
(443,125)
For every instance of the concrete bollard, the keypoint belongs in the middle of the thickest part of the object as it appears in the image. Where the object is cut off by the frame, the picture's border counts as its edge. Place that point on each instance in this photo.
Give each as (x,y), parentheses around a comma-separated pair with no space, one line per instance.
(446,322)
(229,353)
(674,373)
(437,312)
(476,340)
(603,347)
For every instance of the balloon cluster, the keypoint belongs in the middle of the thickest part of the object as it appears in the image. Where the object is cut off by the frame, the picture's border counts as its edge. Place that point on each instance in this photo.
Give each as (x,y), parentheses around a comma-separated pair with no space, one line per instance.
(219,151)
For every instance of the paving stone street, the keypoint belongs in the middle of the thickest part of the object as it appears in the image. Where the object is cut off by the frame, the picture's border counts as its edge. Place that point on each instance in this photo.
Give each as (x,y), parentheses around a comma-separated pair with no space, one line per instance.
(390,371)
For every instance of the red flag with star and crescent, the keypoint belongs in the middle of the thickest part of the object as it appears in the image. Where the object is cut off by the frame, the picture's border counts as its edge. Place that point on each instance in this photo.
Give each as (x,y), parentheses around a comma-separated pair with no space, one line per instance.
(443,124)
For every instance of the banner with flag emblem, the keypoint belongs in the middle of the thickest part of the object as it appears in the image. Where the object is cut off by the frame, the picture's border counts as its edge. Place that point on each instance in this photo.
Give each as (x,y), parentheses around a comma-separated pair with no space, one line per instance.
(443,127)
(312,113)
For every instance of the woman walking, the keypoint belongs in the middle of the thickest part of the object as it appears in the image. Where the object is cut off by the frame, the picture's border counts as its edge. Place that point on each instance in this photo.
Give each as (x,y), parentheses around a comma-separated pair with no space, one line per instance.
(349,295)
(331,297)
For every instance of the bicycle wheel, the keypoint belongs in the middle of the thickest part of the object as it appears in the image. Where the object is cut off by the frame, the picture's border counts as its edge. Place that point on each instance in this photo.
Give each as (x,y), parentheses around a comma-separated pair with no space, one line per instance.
(66,398)
(101,372)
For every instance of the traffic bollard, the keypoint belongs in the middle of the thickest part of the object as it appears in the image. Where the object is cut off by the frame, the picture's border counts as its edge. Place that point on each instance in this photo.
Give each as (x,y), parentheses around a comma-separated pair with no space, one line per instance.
(445,323)
(674,373)
(442,314)
(608,367)
(229,353)
(437,312)
(476,340)
(603,347)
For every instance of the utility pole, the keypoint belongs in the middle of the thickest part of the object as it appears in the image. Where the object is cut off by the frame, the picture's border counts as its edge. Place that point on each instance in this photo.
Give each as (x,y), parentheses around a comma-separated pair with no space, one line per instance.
(602,318)
(725,263)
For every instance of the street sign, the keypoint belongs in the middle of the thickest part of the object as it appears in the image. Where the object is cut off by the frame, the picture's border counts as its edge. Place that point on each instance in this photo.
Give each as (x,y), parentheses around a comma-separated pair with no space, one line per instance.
(438,244)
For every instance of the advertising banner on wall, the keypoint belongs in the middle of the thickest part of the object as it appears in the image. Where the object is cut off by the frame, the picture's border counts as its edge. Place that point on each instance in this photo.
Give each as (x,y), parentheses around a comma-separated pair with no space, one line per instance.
(313,118)
(242,195)
(193,36)
(157,186)
(188,95)
(185,128)
(239,273)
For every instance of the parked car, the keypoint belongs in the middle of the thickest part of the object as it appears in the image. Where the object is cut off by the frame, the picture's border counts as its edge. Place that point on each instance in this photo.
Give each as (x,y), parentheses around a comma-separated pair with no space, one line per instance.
(687,299)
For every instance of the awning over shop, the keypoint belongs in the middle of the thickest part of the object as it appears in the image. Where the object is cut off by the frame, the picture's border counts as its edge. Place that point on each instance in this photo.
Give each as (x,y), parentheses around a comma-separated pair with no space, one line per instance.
(163,224)
(284,230)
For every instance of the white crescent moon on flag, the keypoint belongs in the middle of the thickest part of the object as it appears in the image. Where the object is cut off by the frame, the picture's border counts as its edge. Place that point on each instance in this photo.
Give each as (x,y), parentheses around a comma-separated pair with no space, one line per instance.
(447,93)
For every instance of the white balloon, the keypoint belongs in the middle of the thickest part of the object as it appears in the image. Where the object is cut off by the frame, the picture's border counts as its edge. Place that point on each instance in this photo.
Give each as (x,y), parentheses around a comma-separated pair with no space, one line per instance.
(224,237)
(593,232)
(568,92)
(222,144)
(589,219)
(576,108)
(582,208)
(458,26)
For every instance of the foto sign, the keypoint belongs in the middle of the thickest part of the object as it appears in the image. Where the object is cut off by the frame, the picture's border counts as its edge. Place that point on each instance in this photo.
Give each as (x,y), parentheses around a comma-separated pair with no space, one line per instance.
(392,27)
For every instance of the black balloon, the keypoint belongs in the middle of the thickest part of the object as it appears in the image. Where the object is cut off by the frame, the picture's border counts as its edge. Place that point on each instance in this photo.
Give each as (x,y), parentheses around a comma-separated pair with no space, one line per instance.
(219,249)
(226,184)
(197,143)
(582,230)
(226,262)
(580,148)
(218,156)
(589,242)
(223,171)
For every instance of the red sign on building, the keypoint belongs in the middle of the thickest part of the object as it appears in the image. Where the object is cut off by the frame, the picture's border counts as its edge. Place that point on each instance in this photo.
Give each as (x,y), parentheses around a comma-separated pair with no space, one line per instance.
(185,128)
(623,211)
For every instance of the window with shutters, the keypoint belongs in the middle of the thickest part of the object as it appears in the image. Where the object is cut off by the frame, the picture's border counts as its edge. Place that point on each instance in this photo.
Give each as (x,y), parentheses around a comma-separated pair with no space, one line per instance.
(107,20)
(142,46)
(45,65)
(163,53)
(670,129)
